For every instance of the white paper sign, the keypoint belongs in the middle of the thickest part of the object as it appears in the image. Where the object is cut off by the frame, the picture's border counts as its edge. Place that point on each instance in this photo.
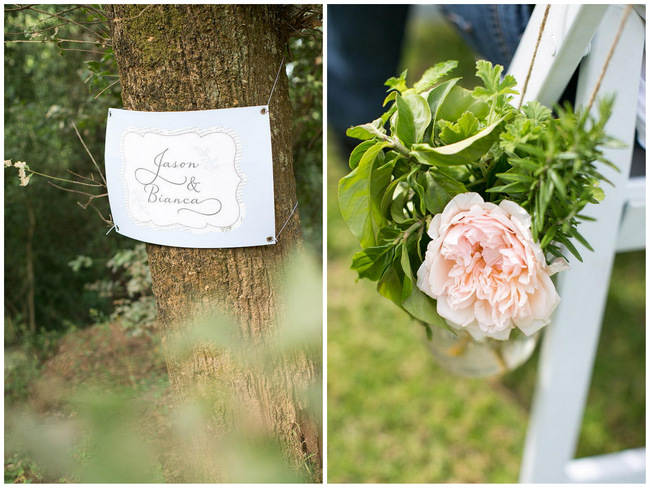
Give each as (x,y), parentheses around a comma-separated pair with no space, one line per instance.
(192,179)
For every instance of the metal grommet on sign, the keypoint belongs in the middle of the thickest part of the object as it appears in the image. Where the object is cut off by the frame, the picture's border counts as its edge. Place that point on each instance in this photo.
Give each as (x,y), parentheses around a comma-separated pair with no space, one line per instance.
(263,111)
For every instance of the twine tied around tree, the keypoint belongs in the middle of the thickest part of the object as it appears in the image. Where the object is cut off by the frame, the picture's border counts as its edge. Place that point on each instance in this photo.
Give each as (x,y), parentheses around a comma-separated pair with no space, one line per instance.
(276,80)
(274,239)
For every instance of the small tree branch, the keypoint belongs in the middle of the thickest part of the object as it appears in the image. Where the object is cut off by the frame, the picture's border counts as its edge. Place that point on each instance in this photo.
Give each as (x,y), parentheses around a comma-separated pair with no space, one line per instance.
(91,156)
(92,178)
(115,82)
(70,190)
(79,24)
(20,7)
(89,203)
(35,32)
(107,221)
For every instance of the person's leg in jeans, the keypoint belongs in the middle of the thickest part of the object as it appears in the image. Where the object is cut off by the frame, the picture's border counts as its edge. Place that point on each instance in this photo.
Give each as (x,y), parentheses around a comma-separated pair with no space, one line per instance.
(494,31)
(364,45)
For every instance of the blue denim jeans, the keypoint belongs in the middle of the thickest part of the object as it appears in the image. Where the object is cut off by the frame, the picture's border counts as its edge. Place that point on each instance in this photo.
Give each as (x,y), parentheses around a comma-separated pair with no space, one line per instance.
(365,42)
(493,31)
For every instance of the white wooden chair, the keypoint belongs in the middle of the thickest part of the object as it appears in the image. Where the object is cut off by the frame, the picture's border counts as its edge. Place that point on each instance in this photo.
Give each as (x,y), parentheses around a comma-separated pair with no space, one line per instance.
(575,33)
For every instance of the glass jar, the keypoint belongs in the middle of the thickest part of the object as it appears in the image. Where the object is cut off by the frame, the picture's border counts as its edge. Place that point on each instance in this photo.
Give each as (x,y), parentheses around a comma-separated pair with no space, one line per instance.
(465,356)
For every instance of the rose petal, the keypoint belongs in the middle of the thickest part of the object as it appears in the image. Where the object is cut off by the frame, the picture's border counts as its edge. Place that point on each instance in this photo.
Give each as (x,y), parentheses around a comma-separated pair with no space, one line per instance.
(460,316)
(559,264)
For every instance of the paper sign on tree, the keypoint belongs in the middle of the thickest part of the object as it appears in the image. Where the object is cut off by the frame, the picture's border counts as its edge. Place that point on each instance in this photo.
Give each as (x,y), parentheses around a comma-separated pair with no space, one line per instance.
(192,179)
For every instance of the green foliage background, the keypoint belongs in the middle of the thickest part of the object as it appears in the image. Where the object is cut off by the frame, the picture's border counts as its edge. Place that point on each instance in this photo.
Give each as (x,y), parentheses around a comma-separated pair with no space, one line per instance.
(44,94)
(48,87)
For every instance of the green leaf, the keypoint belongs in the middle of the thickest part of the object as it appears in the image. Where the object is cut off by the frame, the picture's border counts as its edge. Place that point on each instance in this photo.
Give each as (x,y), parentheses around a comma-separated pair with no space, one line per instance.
(598,194)
(569,245)
(457,102)
(435,98)
(559,184)
(536,111)
(463,152)
(360,195)
(510,188)
(407,284)
(532,150)
(517,177)
(436,197)
(372,262)
(548,237)
(524,163)
(398,84)
(423,307)
(94,66)
(555,251)
(415,185)
(389,194)
(433,75)
(413,117)
(496,92)
(398,206)
(494,86)
(414,301)
(390,286)
(367,131)
(521,131)
(574,232)
(449,179)
(388,235)
(466,127)
(391,96)
(359,151)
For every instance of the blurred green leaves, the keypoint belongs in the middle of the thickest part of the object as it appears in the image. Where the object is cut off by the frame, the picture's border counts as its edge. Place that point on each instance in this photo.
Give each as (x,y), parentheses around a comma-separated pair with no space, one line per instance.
(44,94)
(108,434)
(305,71)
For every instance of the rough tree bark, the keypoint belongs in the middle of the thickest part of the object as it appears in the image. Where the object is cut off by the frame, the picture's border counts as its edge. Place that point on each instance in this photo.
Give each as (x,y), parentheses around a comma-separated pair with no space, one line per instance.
(199,57)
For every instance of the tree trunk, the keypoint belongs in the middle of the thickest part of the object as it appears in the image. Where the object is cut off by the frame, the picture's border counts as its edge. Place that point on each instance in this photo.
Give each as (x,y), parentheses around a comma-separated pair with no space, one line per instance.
(199,57)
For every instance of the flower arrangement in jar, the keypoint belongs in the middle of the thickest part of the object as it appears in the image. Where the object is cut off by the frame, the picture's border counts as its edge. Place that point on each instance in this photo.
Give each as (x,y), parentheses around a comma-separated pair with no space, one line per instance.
(464,206)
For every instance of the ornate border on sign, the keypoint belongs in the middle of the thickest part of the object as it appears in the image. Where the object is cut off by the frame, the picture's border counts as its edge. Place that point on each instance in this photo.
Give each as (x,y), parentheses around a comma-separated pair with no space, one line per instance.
(201,133)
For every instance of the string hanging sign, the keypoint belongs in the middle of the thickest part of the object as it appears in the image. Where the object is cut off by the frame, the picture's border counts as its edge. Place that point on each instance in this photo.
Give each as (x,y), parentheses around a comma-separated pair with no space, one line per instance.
(192,179)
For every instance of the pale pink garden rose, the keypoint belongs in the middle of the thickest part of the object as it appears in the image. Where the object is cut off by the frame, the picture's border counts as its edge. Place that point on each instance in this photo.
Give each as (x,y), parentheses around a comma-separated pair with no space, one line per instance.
(485,271)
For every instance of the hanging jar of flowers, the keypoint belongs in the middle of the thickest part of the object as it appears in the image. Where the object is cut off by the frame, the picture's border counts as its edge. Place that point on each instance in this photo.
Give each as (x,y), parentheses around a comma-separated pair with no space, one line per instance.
(463,206)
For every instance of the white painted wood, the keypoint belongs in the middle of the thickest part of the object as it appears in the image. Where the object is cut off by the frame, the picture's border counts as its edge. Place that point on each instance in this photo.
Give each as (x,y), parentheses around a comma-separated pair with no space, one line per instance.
(571,26)
(619,467)
(570,343)
(631,233)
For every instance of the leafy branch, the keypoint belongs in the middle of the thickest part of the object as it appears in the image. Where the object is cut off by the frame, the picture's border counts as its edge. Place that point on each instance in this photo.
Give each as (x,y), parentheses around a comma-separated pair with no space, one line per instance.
(25,173)
(90,27)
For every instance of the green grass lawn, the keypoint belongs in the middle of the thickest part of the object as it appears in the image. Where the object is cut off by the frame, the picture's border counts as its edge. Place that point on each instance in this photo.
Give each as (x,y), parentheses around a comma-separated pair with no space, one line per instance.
(395,416)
